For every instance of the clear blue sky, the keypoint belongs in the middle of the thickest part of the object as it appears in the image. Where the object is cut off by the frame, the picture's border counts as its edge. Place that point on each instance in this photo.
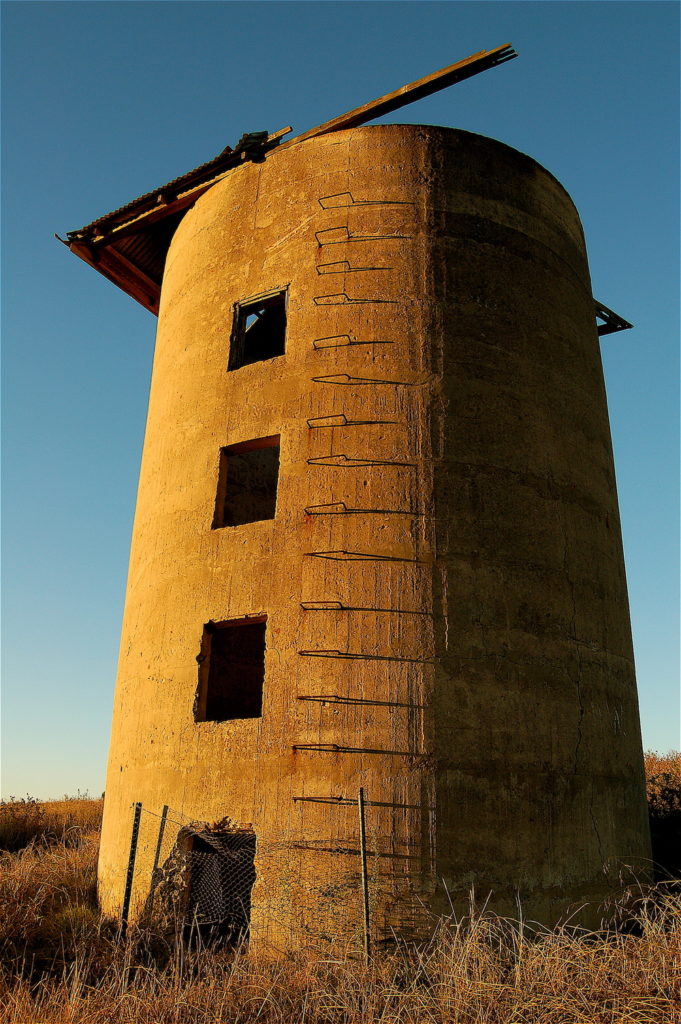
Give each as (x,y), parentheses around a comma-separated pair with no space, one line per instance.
(104,101)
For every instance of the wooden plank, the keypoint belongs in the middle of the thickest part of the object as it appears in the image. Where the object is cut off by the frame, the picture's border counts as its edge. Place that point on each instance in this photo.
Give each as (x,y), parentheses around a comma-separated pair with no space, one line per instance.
(450,75)
(151,209)
(130,278)
(114,257)
(111,268)
(97,250)
(159,212)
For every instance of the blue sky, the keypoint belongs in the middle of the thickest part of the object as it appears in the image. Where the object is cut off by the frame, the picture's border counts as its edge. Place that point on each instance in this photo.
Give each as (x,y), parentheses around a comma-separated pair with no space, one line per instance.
(104,101)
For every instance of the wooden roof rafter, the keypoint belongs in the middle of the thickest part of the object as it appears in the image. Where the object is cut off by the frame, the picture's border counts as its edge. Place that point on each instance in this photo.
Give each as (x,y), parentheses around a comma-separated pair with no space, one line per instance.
(128,245)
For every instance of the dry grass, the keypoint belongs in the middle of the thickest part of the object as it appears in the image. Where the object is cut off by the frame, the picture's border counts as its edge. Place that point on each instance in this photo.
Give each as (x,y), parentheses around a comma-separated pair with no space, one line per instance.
(663,786)
(663,779)
(480,971)
(60,962)
(67,820)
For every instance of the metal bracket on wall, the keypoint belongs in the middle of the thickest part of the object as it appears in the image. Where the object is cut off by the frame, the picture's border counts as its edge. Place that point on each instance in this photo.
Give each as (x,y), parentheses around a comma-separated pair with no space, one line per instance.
(342,200)
(349,237)
(337,748)
(344,800)
(343,267)
(352,656)
(364,556)
(343,299)
(341,420)
(338,606)
(339,508)
(345,462)
(345,340)
(345,380)
(334,698)
(612,322)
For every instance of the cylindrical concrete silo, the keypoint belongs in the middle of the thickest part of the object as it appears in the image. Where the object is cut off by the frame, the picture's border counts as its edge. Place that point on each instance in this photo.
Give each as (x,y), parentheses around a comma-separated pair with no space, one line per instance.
(378,450)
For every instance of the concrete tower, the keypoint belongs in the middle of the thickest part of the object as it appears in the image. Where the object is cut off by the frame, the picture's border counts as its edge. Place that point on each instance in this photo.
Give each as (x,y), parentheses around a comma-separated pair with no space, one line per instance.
(377,541)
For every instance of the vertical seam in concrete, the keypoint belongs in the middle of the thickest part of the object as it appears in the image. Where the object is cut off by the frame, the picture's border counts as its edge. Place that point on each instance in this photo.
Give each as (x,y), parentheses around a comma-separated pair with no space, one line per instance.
(578,680)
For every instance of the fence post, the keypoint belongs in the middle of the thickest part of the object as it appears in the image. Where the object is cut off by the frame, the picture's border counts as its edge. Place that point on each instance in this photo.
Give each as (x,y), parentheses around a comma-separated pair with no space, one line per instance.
(159,844)
(157,854)
(365,881)
(125,909)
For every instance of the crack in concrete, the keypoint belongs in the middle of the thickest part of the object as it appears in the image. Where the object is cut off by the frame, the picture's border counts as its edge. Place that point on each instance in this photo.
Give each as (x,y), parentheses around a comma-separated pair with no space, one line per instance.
(595,827)
(445,608)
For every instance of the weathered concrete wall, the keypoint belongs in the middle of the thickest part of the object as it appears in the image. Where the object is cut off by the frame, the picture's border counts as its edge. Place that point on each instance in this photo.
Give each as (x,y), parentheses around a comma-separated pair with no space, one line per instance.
(491,712)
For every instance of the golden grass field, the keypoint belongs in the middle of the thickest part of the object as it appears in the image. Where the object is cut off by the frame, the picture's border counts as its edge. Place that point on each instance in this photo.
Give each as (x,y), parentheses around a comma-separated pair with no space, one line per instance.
(61,962)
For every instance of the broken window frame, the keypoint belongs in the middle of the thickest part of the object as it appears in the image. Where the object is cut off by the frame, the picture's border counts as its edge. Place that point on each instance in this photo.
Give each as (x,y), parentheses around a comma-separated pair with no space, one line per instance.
(239,337)
(201,699)
(221,496)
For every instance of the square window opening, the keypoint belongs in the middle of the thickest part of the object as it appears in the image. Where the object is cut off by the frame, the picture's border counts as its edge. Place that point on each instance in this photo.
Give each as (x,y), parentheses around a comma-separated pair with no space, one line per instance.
(247,482)
(259,330)
(231,670)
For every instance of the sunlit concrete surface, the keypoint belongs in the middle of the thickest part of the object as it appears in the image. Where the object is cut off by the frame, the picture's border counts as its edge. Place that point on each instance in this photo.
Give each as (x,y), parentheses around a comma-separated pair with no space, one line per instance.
(446,502)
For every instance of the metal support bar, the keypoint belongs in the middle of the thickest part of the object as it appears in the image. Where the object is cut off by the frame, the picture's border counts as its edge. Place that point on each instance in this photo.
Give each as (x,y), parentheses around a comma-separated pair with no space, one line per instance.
(360,656)
(346,380)
(347,801)
(125,909)
(612,322)
(341,420)
(365,880)
(339,508)
(364,556)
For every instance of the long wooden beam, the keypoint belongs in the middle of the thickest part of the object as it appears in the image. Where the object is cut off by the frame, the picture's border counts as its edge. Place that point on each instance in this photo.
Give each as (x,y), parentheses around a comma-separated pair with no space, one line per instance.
(95,244)
(450,75)
(401,97)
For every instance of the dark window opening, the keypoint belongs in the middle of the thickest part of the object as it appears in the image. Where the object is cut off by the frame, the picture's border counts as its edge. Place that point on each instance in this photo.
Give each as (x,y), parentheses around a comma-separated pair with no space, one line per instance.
(221,876)
(247,482)
(231,670)
(259,330)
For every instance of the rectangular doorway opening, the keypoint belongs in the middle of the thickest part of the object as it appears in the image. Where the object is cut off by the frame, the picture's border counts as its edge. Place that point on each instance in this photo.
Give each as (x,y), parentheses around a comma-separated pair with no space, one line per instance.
(231,670)
(247,482)
(220,879)
(259,330)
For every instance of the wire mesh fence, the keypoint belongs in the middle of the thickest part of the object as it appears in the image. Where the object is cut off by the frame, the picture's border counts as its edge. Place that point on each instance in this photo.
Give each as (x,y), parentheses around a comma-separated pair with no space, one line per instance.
(220,881)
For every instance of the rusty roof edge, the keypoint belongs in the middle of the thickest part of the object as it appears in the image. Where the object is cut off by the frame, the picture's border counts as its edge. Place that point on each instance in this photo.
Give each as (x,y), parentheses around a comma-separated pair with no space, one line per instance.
(103,233)
(251,146)
(148,199)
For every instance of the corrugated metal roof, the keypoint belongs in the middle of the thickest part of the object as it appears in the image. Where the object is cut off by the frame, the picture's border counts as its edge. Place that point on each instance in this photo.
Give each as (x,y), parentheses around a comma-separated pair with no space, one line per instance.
(130,244)
(252,145)
(174,186)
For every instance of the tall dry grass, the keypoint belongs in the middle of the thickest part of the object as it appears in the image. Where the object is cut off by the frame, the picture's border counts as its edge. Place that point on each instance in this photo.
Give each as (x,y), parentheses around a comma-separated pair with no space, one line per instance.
(27,819)
(61,962)
(480,971)
(663,788)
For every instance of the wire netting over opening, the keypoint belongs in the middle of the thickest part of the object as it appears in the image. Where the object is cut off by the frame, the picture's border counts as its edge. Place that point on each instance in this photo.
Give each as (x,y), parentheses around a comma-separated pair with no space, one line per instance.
(220,878)
(200,879)
(203,879)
